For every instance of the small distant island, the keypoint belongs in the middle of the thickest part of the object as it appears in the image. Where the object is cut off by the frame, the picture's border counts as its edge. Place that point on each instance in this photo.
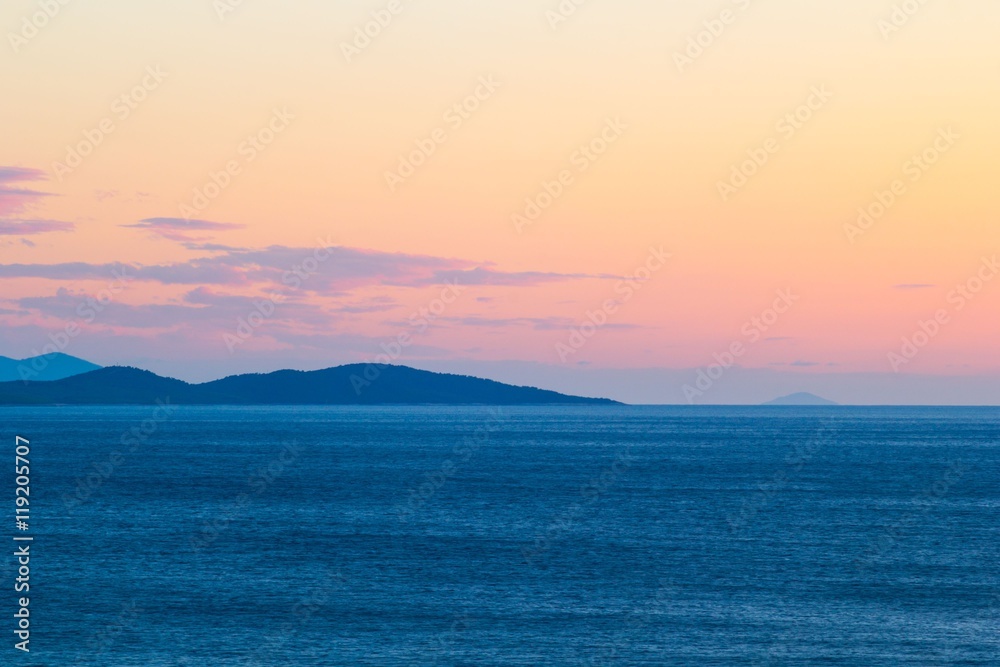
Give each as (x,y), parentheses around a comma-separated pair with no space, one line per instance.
(354,384)
(801,398)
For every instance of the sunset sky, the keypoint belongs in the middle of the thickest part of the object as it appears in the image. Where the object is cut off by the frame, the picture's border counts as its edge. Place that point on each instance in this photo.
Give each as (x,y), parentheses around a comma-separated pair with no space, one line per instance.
(606,201)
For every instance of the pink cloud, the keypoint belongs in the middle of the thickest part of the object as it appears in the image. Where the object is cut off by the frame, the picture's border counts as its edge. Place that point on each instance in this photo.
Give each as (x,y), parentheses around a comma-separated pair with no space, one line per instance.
(325,271)
(180,229)
(31,227)
(14,199)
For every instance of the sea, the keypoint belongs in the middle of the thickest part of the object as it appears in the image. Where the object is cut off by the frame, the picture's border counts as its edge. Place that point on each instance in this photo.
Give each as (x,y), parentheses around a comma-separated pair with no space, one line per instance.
(167,536)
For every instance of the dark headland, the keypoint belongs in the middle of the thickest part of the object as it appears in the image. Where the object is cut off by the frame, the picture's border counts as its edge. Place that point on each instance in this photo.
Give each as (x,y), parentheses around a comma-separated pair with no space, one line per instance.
(355,384)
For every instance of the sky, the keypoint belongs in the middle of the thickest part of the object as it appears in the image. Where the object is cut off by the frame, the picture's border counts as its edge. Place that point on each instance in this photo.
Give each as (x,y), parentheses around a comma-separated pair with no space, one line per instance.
(661,202)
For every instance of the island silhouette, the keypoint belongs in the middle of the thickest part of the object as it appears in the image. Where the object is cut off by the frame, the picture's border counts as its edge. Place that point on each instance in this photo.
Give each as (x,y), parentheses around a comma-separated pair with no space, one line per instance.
(801,398)
(353,384)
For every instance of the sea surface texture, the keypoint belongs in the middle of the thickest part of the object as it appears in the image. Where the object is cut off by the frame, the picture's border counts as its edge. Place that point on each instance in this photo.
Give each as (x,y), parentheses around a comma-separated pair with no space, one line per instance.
(515,536)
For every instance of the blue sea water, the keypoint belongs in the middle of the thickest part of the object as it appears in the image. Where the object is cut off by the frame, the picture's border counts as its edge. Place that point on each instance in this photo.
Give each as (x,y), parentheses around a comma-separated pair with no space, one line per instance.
(508,536)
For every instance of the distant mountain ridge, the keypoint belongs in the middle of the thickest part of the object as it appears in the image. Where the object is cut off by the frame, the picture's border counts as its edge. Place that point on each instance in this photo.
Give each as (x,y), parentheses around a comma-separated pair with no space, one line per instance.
(44,368)
(341,385)
(801,398)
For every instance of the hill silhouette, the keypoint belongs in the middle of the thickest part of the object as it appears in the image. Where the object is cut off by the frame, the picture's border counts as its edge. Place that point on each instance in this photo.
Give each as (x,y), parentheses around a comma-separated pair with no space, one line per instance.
(45,367)
(800,398)
(341,385)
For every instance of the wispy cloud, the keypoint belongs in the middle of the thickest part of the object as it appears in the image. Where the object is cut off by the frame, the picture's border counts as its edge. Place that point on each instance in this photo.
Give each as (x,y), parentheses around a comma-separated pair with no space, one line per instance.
(343,270)
(200,310)
(537,323)
(181,230)
(796,364)
(14,199)
(32,227)
(484,275)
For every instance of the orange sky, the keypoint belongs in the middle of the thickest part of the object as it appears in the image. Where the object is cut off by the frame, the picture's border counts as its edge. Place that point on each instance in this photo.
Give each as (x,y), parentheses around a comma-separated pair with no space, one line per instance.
(612,110)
